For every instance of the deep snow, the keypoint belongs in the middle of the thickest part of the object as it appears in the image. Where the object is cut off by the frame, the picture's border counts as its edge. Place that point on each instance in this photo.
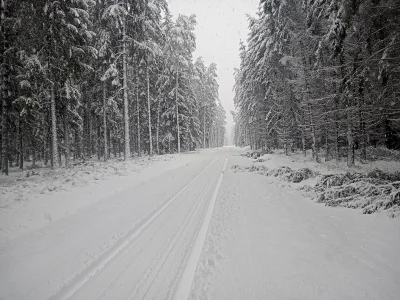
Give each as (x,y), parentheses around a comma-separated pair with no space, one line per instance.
(266,241)
(372,187)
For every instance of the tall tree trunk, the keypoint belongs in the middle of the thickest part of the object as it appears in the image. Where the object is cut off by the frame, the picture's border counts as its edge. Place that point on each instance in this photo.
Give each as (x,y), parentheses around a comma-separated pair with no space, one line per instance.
(209,137)
(177,112)
(217,145)
(4,137)
(313,133)
(204,127)
(1,151)
(47,153)
(138,113)
(303,142)
(326,111)
(79,143)
(310,118)
(285,143)
(59,157)
(105,120)
(99,139)
(21,144)
(350,140)
(33,153)
(149,110)
(109,141)
(54,145)
(254,135)
(246,135)
(309,109)
(44,144)
(89,122)
(125,87)
(66,137)
(363,133)
(337,145)
(326,147)
(158,126)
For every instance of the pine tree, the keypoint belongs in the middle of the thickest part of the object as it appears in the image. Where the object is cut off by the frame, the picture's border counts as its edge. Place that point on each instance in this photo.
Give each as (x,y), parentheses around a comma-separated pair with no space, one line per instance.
(311,76)
(77,80)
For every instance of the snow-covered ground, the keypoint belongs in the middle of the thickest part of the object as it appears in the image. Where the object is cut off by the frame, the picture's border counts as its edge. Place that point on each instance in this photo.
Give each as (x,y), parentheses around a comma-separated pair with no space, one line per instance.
(298,160)
(372,187)
(266,241)
(189,227)
(30,203)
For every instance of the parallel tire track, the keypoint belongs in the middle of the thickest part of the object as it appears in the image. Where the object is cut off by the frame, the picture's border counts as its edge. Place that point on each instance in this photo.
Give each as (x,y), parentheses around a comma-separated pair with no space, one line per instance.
(99,265)
(161,260)
(184,287)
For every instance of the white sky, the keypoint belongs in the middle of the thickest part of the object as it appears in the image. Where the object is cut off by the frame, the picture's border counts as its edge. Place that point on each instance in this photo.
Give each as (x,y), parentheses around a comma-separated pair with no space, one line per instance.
(221,24)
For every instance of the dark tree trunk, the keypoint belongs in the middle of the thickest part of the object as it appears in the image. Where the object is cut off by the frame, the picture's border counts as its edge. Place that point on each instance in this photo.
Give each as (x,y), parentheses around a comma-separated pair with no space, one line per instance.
(21,148)
(98,140)
(138,114)
(34,153)
(66,137)
(105,120)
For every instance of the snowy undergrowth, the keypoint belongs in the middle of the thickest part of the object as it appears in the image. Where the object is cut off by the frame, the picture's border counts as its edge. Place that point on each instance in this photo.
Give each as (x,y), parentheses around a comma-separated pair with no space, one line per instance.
(283,172)
(372,187)
(372,192)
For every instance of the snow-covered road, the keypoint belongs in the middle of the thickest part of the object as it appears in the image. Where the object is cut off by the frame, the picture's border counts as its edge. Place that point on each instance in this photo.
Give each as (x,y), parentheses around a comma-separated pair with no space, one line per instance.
(202,231)
(133,245)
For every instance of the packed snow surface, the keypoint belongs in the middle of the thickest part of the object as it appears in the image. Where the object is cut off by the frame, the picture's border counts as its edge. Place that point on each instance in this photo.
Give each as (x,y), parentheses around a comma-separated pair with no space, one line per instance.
(188,227)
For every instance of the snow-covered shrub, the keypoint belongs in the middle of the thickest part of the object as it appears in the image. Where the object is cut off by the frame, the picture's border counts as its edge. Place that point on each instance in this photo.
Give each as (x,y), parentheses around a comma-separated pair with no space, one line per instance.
(331,180)
(255,154)
(260,160)
(373,192)
(257,168)
(379,174)
(306,188)
(283,172)
(280,172)
(302,174)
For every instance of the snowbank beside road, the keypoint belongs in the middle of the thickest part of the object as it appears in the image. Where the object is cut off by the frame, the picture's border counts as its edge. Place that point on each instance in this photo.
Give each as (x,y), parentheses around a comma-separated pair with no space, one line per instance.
(267,242)
(30,202)
(372,187)
(298,160)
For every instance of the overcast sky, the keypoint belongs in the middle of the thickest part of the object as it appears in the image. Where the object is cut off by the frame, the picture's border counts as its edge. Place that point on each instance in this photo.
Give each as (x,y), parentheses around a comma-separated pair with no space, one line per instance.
(221,24)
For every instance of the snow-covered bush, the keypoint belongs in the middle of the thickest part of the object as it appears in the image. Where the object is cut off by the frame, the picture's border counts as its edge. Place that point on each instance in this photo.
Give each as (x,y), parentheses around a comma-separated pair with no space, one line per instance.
(379,174)
(280,172)
(302,174)
(373,192)
(284,172)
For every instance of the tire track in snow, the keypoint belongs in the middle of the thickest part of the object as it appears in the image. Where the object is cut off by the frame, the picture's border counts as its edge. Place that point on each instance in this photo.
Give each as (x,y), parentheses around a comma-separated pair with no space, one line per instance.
(129,265)
(185,284)
(150,276)
(83,278)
